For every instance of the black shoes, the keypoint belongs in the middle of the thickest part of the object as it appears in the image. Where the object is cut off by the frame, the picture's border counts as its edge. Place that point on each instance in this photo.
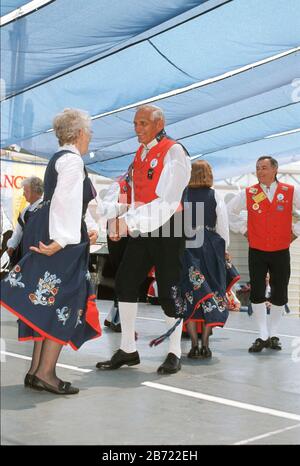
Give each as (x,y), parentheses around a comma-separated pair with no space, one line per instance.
(64,388)
(275,344)
(112,326)
(205,352)
(28,382)
(120,358)
(258,345)
(171,365)
(200,353)
(194,352)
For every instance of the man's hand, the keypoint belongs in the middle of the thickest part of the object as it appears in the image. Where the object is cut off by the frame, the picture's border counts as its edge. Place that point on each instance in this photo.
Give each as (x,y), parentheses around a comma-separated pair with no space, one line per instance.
(293,237)
(246,235)
(49,250)
(10,251)
(117,228)
(93,235)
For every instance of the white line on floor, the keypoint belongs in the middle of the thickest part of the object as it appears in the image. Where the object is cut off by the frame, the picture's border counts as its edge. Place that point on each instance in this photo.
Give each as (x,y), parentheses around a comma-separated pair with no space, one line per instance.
(224,328)
(65,366)
(224,401)
(253,331)
(268,434)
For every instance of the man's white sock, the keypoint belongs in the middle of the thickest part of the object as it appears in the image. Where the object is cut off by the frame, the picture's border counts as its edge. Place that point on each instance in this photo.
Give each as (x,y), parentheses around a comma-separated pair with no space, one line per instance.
(175,337)
(128,312)
(260,316)
(275,319)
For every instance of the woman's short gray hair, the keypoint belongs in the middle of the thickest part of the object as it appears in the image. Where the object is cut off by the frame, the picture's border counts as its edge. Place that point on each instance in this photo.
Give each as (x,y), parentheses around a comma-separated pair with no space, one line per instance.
(68,123)
(35,183)
(156,114)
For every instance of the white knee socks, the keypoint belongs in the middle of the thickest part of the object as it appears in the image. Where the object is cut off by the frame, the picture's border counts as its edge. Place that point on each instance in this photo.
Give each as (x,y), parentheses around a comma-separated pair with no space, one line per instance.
(260,316)
(128,312)
(175,337)
(275,318)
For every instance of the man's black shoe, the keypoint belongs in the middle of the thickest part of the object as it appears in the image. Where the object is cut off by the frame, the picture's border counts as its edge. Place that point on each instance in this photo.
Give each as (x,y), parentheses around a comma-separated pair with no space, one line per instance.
(259,345)
(120,358)
(275,343)
(116,327)
(107,323)
(171,365)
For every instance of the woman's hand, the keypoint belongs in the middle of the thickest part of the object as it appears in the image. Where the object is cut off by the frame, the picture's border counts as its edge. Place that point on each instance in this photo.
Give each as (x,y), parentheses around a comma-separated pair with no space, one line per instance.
(49,250)
(10,251)
(227,256)
(93,235)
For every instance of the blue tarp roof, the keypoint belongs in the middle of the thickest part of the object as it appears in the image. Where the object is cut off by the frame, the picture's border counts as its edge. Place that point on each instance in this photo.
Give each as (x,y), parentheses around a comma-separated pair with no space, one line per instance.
(130,50)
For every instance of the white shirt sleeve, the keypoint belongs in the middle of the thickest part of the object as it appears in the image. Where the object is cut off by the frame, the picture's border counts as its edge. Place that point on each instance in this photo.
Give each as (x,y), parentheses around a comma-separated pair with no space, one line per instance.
(237,222)
(222,226)
(90,222)
(174,178)
(66,204)
(296,206)
(16,237)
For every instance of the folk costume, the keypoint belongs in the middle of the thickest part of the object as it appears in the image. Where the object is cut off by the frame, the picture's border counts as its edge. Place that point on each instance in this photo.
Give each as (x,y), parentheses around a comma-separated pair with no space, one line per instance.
(269,226)
(206,275)
(52,295)
(161,171)
(15,240)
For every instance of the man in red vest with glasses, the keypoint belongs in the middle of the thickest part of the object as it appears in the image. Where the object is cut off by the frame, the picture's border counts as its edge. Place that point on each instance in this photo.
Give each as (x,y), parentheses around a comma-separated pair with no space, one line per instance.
(270,231)
(161,172)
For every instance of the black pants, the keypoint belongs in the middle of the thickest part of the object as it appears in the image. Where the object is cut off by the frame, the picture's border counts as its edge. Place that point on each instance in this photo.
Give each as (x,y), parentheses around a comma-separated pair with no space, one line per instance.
(142,253)
(116,251)
(277,263)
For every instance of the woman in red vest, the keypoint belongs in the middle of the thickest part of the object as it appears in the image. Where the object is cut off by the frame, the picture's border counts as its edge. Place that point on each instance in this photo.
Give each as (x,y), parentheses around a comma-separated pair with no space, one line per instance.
(270,231)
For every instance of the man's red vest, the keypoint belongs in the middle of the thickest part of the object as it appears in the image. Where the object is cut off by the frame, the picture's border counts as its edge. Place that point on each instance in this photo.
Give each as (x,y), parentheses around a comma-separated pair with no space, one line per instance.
(146,173)
(125,192)
(270,223)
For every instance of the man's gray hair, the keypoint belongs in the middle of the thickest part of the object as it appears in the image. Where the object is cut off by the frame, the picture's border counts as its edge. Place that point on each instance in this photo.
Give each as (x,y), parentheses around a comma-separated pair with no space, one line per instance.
(35,183)
(157,112)
(273,161)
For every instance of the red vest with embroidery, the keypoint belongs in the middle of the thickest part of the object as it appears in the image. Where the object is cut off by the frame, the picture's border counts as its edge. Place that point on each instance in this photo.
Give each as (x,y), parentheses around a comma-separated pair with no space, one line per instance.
(125,192)
(270,223)
(146,173)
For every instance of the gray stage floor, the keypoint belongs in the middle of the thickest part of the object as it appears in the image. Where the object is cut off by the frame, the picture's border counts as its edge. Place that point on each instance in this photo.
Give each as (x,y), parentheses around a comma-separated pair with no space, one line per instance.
(235,398)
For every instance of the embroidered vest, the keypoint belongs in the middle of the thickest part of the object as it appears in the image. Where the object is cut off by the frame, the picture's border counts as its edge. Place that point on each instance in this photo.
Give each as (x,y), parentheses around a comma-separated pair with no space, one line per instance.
(270,223)
(50,180)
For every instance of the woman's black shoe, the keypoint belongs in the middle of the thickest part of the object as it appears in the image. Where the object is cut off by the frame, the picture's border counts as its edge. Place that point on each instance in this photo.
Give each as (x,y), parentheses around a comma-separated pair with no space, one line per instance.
(64,388)
(205,352)
(28,382)
(194,352)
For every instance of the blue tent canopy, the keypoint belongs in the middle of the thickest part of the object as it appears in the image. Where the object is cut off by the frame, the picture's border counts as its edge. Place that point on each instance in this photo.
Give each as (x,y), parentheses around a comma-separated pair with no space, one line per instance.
(143,49)
(7,6)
